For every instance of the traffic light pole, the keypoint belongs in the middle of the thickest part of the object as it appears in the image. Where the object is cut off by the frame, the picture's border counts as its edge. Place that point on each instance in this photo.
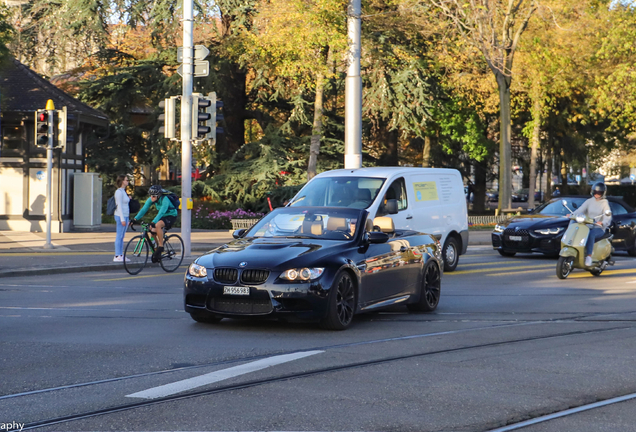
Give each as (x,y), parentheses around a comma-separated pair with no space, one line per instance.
(49,172)
(353,90)
(186,125)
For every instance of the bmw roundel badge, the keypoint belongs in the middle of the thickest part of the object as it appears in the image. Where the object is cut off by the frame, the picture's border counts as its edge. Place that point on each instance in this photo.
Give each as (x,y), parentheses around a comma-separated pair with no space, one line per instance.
(242,264)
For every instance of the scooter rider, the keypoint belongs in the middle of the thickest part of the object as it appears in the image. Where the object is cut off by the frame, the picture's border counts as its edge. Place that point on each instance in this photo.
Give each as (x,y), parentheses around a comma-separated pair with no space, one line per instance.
(592,208)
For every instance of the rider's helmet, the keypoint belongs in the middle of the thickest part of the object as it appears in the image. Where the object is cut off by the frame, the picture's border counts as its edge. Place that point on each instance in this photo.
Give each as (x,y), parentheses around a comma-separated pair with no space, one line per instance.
(599,187)
(155,190)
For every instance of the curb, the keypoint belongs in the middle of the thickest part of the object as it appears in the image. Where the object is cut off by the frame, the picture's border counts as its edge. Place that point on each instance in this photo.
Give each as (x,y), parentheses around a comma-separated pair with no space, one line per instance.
(76,269)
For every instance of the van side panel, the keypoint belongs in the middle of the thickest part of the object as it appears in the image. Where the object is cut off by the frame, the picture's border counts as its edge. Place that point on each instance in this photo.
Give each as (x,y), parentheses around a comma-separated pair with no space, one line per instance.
(439,204)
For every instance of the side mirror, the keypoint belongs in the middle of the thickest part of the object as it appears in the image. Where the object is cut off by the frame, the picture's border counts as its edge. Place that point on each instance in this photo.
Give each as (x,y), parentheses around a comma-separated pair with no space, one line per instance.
(608,213)
(239,233)
(391,206)
(375,237)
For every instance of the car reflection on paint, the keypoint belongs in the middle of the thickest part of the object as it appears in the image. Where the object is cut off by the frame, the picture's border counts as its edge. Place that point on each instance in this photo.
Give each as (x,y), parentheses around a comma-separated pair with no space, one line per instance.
(315,263)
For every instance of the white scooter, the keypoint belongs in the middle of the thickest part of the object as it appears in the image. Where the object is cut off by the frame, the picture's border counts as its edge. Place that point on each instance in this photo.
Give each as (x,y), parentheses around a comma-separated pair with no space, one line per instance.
(573,243)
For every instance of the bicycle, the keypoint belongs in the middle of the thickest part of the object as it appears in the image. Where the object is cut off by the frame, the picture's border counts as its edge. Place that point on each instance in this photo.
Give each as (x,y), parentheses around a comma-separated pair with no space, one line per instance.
(137,249)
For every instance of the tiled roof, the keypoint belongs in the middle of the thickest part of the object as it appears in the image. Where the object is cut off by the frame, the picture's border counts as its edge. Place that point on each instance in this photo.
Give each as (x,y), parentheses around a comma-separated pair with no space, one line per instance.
(23,90)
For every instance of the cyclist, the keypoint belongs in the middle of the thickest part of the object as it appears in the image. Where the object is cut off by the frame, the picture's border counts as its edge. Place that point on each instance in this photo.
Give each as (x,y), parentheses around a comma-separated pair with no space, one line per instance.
(166,217)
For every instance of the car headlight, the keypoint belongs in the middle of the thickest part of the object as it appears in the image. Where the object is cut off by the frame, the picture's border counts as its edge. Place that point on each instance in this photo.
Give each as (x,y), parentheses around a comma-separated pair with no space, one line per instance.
(499,228)
(580,219)
(197,271)
(303,274)
(547,231)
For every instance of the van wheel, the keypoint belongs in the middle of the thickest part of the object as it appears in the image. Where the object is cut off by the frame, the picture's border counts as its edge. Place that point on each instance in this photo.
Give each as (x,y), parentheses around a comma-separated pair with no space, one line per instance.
(450,254)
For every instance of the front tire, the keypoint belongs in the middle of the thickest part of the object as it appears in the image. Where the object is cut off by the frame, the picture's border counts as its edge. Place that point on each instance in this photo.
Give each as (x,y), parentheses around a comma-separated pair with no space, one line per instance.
(136,254)
(632,250)
(450,254)
(341,303)
(506,253)
(430,290)
(564,267)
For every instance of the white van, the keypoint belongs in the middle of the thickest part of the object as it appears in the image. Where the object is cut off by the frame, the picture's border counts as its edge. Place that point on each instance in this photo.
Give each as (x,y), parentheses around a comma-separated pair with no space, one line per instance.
(429,200)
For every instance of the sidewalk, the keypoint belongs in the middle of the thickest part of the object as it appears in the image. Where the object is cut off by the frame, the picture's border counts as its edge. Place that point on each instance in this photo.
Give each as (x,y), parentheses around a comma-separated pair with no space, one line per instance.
(22,253)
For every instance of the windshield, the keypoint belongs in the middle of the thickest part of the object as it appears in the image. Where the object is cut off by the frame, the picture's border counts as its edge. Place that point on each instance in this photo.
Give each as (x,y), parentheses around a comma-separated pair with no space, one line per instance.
(556,208)
(352,192)
(308,222)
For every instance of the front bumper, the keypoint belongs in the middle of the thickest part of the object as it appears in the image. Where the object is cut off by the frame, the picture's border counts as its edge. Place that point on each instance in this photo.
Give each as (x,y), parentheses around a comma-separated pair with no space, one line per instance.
(530,242)
(302,300)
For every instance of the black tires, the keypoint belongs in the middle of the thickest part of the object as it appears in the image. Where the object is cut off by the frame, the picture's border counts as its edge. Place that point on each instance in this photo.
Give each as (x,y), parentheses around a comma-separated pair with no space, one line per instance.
(205,317)
(450,254)
(632,250)
(506,253)
(136,255)
(172,255)
(564,267)
(430,289)
(341,303)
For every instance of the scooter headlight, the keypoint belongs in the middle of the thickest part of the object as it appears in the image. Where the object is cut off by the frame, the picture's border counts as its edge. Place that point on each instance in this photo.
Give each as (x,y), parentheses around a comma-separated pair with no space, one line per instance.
(580,219)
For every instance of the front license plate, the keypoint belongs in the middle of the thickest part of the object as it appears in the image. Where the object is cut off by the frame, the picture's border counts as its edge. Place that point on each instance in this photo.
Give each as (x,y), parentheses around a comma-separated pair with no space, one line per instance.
(515,238)
(236,290)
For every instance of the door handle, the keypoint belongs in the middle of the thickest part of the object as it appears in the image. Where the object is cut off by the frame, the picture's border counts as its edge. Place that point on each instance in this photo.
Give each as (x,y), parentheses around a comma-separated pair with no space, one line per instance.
(409,217)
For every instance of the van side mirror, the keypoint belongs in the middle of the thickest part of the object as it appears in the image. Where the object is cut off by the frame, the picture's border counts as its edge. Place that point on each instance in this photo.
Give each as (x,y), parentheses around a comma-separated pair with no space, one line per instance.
(391,206)
(239,233)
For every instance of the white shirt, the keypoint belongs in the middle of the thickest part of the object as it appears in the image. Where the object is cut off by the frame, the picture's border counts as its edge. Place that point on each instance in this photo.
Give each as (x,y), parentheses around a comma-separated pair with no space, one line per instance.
(122,200)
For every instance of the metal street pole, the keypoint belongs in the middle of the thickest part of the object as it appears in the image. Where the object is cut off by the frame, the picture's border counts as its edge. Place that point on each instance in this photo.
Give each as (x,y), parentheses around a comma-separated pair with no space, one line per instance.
(50,108)
(353,90)
(186,125)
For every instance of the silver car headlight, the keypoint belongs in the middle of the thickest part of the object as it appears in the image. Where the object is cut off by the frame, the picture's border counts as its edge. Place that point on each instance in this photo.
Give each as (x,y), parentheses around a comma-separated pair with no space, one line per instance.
(197,270)
(303,274)
(580,219)
(499,228)
(547,231)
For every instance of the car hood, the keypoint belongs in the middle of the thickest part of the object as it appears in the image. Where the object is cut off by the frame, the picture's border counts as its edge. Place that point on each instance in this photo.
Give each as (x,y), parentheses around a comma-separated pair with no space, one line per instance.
(535,222)
(267,253)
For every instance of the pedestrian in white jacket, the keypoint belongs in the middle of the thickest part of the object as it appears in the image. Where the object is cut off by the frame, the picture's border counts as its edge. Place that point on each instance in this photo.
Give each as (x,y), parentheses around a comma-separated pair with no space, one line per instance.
(121,216)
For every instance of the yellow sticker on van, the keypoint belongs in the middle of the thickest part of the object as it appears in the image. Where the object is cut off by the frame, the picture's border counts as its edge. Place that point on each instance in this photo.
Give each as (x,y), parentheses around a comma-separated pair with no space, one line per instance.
(425,191)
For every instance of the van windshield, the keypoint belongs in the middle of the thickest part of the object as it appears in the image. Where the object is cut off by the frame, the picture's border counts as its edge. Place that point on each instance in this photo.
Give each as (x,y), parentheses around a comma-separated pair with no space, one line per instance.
(353,192)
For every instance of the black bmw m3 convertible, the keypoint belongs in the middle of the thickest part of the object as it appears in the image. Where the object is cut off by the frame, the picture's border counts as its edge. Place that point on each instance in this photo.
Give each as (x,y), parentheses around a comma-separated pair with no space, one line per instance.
(315,263)
(542,229)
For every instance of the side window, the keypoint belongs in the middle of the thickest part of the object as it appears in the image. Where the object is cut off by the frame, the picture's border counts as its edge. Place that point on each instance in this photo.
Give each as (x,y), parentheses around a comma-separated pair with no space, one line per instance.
(396,191)
(617,209)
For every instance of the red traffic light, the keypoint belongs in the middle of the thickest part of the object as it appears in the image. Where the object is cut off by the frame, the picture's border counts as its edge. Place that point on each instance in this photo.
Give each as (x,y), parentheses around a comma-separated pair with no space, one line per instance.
(42,116)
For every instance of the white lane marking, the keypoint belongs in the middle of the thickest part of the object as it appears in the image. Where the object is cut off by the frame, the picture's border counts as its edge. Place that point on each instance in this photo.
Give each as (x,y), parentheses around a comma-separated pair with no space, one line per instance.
(564,413)
(190,383)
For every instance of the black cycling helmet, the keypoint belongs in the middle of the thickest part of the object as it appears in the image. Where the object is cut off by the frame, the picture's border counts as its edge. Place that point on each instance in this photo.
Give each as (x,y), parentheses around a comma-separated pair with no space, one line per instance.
(155,190)
(599,187)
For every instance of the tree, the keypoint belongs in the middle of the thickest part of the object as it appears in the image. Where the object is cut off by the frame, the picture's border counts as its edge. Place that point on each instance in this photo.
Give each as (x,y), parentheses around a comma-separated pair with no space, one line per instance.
(297,39)
(6,31)
(495,28)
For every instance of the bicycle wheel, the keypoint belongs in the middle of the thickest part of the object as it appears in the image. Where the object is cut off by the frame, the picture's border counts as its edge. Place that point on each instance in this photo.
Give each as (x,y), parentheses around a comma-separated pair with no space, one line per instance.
(136,255)
(172,255)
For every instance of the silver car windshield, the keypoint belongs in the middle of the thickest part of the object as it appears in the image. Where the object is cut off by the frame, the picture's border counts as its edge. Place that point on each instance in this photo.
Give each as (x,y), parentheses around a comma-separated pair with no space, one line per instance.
(352,192)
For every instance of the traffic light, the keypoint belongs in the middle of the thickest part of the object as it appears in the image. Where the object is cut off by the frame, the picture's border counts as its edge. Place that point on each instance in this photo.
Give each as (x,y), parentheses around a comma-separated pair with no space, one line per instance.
(214,116)
(41,128)
(64,130)
(200,117)
(169,129)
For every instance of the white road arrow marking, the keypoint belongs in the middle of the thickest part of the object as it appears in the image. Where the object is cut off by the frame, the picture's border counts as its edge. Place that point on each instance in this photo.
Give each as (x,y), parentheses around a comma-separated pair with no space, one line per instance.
(220,375)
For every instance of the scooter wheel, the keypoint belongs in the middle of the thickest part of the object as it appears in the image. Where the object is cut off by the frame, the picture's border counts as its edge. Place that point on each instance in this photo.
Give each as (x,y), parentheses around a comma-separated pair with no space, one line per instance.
(564,267)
